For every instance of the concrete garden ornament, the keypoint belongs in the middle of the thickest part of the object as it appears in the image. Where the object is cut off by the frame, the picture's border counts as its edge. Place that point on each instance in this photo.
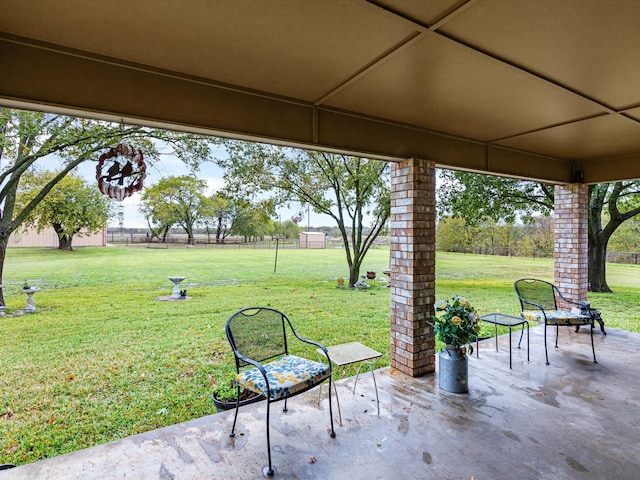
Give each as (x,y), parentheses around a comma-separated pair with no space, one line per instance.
(29,290)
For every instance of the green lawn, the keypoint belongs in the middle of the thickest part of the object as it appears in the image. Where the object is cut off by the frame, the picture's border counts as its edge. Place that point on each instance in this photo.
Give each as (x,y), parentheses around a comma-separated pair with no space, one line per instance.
(102,358)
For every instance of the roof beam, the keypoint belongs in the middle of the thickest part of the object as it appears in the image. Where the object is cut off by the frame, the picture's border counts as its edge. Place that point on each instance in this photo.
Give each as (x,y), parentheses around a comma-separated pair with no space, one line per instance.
(56,79)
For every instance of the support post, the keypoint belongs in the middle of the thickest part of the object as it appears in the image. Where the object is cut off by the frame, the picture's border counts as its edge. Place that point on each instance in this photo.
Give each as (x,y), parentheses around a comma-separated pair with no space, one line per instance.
(571,241)
(412,263)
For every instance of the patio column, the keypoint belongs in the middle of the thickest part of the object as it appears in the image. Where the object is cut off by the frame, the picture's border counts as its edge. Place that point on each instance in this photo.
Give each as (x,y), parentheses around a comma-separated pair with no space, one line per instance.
(571,244)
(412,263)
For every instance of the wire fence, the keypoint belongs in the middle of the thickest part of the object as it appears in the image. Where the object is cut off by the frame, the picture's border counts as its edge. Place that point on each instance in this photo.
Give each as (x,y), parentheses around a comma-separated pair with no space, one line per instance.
(203,241)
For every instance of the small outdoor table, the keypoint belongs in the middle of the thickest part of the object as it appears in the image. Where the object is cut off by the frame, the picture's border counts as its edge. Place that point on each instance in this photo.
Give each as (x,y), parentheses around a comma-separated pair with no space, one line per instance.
(505,321)
(353,352)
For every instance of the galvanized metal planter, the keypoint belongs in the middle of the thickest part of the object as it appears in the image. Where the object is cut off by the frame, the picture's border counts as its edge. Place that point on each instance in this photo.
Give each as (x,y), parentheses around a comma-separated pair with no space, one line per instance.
(453,374)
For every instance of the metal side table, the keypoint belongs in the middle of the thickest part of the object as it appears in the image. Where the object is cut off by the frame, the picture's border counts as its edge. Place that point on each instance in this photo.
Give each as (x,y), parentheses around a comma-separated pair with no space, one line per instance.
(505,321)
(353,352)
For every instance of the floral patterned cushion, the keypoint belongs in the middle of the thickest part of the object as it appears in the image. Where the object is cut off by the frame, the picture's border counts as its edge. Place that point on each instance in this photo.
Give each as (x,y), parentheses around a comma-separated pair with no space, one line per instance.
(287,376)
(557,316)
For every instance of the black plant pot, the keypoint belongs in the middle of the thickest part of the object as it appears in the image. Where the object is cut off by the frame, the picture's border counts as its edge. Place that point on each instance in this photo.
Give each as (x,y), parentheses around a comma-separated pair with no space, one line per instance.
(230,405)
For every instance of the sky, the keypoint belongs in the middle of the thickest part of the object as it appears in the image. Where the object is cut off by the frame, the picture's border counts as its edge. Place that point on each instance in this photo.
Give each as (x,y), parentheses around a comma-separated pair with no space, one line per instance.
(169,166)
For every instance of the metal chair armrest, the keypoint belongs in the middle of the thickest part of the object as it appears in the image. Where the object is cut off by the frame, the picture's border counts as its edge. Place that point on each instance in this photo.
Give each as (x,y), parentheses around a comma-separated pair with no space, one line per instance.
(312,342)
(556,290)
(538,306)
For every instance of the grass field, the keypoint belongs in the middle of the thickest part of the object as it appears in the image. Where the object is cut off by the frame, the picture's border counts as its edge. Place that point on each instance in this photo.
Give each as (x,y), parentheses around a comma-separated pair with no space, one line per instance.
(102,358)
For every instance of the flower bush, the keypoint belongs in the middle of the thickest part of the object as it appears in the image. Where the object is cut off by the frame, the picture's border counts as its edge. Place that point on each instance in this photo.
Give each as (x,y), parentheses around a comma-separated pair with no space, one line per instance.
(457,324)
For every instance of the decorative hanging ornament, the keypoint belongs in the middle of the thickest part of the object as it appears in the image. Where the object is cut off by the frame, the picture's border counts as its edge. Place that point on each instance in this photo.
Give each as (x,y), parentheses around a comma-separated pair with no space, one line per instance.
(120,172)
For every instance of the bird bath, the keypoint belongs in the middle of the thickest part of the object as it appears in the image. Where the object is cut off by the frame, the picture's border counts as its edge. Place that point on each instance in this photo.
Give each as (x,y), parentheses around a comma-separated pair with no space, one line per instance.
(175,295)
(31,303)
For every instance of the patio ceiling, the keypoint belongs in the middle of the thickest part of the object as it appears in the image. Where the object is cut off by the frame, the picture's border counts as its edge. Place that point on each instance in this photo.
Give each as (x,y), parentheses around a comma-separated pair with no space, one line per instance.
(537,89)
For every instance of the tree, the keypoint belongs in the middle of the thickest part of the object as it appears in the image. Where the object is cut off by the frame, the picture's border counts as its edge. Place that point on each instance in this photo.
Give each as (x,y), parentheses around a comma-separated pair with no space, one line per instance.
(288,229)
(627,237)
(176,200)
(453,235)
(351,190)
(475,197)
(221,216)
(252,220)
(27,137)
(159,219)
(610,205)
(500,238)
(73,207)
(538,238)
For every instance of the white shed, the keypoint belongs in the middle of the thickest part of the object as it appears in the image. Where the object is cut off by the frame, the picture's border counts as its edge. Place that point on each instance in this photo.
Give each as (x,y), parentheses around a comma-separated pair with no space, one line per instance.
(312,240)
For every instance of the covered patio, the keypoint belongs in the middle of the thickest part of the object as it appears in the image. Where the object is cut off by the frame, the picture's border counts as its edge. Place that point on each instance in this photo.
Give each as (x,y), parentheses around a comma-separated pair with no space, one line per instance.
(571,419)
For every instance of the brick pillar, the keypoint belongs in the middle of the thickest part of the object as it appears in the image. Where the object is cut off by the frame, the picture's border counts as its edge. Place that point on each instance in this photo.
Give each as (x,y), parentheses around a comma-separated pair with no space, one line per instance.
(571,247)
(413,215)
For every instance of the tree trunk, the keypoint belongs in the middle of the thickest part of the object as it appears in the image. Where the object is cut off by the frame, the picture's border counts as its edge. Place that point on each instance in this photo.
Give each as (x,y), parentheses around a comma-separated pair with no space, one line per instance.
(64,243)
(597,267)
(4,240)
(219,231)
(64,239)
(354,273)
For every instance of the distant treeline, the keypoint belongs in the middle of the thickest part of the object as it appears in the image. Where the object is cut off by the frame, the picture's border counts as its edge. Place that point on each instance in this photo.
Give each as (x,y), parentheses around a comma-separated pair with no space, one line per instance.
(531,240)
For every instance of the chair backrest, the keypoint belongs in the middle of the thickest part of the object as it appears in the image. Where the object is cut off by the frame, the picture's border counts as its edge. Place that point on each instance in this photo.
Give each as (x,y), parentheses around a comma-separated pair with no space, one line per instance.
(257,333)
(533,293)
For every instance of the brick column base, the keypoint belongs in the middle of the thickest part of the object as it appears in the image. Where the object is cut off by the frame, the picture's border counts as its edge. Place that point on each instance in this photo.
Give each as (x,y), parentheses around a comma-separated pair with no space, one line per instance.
(412,265)
(571,242)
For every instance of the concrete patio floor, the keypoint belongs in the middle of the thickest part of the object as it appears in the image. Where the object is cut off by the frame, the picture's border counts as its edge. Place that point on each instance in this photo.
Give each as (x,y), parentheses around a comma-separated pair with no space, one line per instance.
(571,419)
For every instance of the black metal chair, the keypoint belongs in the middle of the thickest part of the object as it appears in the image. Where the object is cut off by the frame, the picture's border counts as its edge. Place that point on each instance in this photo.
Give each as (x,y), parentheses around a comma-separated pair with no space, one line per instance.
(539,301)
(259,340)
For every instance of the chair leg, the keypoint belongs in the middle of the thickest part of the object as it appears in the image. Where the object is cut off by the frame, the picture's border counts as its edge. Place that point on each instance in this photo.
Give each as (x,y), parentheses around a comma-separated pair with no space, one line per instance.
(233,428)
(557,331)
(333,433)
(593,348)
(546,354)
(269,471)
(521,334)
(284,409)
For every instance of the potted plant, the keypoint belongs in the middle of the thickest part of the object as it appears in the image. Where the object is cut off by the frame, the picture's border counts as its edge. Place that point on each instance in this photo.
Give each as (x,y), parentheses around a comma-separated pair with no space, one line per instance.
(456,325)
(225,394)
